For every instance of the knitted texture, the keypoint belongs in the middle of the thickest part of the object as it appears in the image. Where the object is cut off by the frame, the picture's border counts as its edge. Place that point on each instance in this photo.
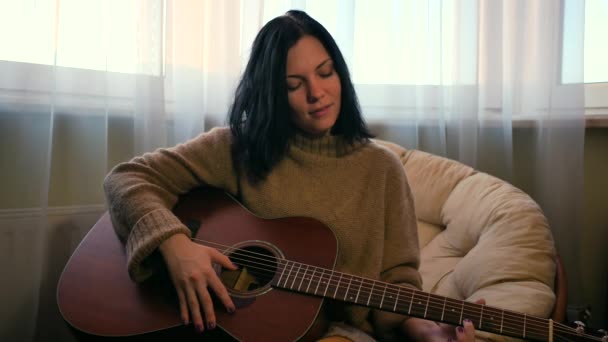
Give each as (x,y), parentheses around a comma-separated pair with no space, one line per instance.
(360,191)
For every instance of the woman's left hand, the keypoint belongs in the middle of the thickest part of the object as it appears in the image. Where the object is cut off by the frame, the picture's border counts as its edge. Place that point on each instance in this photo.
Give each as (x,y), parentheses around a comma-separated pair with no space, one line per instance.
(465,333)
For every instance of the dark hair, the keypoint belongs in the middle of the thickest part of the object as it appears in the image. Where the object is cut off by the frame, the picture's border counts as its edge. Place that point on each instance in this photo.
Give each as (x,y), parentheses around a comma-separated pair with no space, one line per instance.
(259,116)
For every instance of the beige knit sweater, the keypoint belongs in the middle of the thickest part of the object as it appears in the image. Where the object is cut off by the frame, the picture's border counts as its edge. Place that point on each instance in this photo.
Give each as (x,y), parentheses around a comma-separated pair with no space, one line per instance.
(360,191)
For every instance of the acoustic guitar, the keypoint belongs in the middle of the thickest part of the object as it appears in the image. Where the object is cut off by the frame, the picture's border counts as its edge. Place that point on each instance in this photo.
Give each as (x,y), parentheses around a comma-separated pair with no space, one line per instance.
(285,272)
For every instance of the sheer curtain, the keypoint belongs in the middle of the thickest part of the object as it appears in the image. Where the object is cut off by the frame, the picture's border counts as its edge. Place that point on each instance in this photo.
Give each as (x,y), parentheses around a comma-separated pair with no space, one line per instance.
(482,82)
(90,84)
(489,89)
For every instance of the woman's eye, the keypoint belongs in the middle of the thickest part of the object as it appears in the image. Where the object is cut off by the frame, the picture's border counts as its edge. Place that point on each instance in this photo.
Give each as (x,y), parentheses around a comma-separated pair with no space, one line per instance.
(326,73)
(293,86)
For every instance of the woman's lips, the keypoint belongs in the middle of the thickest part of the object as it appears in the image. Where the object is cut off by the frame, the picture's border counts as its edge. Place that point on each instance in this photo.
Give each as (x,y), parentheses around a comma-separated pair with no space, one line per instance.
(321,111)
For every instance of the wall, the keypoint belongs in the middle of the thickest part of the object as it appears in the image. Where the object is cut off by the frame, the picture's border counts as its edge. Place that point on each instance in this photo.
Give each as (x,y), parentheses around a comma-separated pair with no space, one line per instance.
(594,262)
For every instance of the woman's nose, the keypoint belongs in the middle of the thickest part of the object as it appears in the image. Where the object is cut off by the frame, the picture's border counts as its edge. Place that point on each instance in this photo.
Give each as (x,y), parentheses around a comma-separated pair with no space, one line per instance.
(315,91)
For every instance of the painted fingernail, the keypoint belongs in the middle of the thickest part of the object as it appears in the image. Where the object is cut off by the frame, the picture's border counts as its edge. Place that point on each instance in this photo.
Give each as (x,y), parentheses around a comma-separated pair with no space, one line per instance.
(466,320)
(460,329)
(200,328)
(211,325)
(231,310)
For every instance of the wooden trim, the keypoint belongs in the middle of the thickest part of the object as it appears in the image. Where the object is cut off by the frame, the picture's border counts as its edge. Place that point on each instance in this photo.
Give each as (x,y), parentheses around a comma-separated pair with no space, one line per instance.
(596,121)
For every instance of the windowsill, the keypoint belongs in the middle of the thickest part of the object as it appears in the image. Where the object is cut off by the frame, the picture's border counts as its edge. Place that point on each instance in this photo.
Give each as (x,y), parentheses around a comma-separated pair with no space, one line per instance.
(591,121)
(596,121)
(91,92)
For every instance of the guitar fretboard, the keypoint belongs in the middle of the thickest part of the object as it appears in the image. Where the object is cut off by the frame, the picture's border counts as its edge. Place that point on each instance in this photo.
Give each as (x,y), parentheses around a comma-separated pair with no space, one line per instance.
(390,297)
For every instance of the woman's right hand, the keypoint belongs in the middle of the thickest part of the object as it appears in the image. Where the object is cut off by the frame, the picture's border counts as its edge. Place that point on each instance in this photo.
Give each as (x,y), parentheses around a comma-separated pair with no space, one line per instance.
(191,270)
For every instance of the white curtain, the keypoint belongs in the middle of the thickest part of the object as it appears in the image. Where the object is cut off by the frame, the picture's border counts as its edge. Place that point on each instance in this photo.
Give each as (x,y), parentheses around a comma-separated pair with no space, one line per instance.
(88,84)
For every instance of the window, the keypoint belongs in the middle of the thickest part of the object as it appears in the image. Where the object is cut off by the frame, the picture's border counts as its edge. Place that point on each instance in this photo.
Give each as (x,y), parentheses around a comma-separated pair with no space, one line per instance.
(30,32)
(596,49)
(596,55)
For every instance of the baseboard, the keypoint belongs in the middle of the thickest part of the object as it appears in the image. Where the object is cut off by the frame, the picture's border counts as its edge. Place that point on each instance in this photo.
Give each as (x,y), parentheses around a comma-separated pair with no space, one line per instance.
(82,216)
(21,213)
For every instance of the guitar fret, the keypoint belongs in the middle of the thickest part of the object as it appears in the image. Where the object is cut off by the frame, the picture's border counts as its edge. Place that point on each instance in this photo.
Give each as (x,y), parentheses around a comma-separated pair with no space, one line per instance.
(502,319)
(525,325)
(359,291)
(328,283)
(396,299)
(295,276)
(461,312)
(371,292)
(288,275)
(411,302)
(427,304)
(283,273)
(338,286)
(347,288)
(452,312)
(319,283)
(481,317)
(383,293)
(312,277)
(378,295)
(303,277)
(419,304)
(438,309)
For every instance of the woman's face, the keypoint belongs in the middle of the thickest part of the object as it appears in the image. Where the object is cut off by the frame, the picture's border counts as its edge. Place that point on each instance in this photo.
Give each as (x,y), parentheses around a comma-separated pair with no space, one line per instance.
(313,87)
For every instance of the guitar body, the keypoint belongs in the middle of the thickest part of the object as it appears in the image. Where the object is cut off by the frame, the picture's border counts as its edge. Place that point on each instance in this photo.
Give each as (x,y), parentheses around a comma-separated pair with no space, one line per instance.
(97,298)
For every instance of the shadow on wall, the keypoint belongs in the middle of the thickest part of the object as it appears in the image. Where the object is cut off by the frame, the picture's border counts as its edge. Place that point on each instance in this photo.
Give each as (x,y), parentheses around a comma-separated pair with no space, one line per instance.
(35,262)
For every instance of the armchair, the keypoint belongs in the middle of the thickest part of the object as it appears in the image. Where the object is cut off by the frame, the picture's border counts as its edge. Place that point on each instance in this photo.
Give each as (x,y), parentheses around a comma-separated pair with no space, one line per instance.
(481,237)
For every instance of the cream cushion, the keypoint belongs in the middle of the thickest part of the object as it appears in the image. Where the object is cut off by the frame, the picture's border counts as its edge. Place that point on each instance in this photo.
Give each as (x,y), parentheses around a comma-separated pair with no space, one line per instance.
(480,237)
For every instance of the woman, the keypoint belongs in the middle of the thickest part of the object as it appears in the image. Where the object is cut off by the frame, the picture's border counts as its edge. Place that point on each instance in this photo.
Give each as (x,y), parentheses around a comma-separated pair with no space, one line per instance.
(296,146)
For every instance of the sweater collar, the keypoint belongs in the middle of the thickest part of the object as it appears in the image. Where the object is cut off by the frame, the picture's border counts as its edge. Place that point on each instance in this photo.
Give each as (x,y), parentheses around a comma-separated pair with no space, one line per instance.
(326,145)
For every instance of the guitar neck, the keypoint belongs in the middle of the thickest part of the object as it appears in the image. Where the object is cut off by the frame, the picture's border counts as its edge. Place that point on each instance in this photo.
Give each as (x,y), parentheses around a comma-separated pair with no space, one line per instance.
(326,283)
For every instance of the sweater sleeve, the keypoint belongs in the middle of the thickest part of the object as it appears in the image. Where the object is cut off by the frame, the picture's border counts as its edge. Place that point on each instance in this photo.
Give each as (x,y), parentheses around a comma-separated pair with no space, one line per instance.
(141,193)
(401,257)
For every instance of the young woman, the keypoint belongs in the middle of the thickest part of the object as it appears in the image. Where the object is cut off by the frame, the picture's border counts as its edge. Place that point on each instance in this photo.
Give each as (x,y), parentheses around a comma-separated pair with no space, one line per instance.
(297,145)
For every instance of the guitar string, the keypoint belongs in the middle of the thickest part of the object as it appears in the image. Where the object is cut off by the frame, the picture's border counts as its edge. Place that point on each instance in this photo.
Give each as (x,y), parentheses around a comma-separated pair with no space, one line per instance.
(544,325)
(515,331)
(531,323)
(323,277)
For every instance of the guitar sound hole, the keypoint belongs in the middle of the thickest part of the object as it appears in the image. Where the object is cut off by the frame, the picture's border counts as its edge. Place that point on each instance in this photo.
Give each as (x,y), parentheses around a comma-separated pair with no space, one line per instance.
(257,267)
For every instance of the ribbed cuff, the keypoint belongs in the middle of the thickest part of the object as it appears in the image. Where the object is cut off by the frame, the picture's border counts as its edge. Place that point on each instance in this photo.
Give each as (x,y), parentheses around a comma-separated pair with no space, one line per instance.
(147,234)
